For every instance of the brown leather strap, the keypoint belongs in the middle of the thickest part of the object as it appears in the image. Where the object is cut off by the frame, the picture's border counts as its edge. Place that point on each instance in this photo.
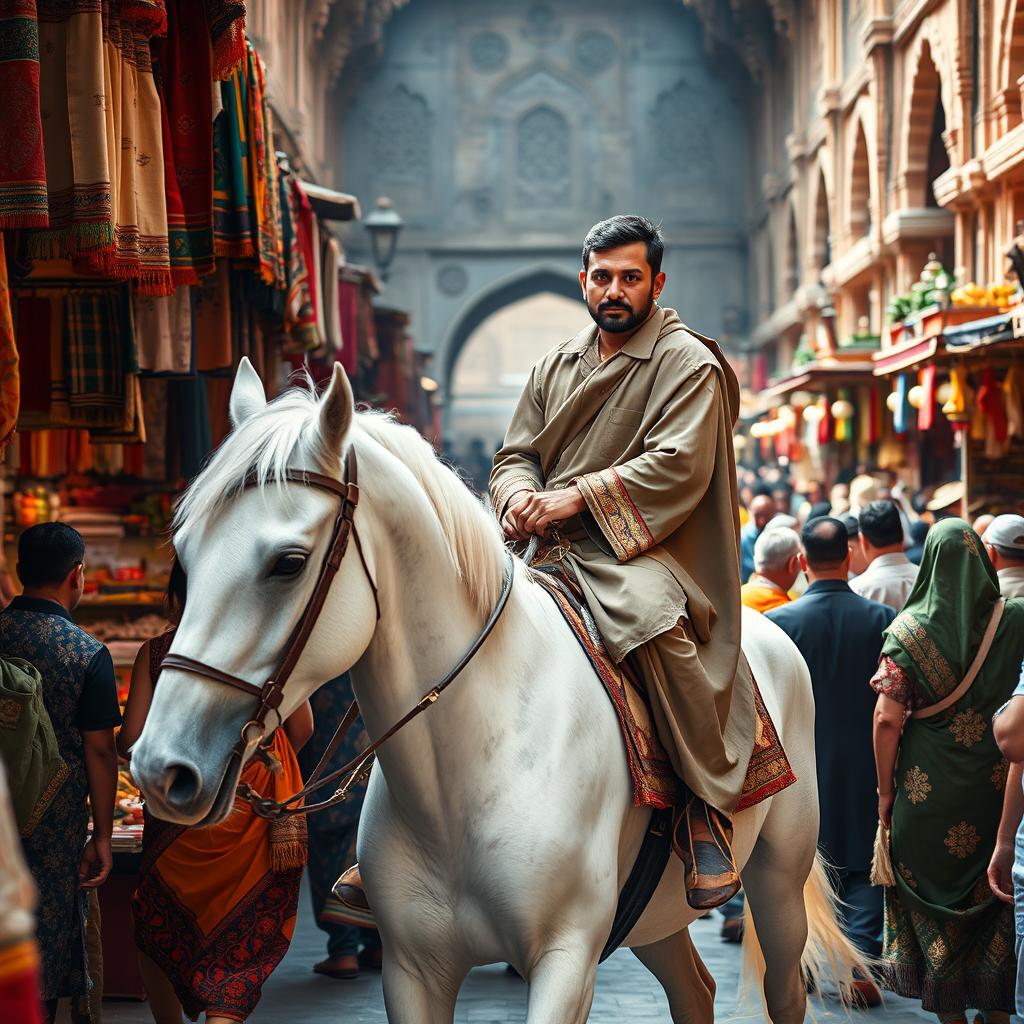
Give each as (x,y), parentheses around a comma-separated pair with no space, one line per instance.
(180,661)
(360,763)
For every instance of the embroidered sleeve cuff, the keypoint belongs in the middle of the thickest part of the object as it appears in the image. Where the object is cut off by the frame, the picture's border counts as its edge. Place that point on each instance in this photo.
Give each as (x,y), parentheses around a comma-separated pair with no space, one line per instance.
(507,488)
(615,513)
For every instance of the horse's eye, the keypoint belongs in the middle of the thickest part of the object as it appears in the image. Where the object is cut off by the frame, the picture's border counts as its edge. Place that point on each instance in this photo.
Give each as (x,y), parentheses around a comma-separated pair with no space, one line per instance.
(290,564)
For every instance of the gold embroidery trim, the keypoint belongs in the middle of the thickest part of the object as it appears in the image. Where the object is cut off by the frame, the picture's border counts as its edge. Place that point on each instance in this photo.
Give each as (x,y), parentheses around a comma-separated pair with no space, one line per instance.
(60,776)
(926,655)
(505,491)
(616,515)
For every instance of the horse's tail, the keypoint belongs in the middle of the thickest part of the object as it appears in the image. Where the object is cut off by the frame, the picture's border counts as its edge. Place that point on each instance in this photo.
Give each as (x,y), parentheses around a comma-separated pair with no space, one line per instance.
(828,954)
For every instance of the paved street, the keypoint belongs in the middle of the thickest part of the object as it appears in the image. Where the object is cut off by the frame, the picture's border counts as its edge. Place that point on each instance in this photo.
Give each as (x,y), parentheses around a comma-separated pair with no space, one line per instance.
(626,993)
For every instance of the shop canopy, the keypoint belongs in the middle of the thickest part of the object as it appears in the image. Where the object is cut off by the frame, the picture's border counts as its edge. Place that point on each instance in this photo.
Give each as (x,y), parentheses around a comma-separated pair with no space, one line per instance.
(979,333)
(820,376)
(329,204)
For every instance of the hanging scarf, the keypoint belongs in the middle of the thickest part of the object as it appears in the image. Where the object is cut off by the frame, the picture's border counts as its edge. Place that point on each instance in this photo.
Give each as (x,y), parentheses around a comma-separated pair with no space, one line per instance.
(265,211)
(10,388)
(74,94)
(926,414)
(23,202)
(1013,390)
(185,71)
(226,21)
(232,222)
(300,308)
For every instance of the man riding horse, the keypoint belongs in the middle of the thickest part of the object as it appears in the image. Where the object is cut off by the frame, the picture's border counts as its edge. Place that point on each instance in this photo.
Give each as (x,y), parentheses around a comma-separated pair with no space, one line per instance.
(620,456)
(621,447)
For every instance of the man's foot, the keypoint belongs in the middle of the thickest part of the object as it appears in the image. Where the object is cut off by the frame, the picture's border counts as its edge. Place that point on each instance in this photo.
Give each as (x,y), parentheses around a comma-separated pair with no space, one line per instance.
(344,968)
(702,839)
(732,929)
(355,908)
(865,994)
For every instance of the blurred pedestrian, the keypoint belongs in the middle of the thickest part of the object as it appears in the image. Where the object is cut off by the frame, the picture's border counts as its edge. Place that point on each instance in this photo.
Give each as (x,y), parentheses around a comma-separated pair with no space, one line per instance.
(80,695)
(981,524)
(761,511)
(948,662)
(1004,542)
(776,567)
(1006,868)
(215,906)
(839,635)
(840,498)
(332,838)
(947,500)
(918,534)
(782,498)
(889,575)
(858,560)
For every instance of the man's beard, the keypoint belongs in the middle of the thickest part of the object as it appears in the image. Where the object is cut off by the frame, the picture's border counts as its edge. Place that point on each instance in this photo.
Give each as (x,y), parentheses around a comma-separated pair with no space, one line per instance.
(628,323)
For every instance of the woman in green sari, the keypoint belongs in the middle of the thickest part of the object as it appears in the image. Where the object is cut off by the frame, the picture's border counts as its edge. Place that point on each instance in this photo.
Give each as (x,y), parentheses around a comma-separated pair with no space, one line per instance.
(948,940)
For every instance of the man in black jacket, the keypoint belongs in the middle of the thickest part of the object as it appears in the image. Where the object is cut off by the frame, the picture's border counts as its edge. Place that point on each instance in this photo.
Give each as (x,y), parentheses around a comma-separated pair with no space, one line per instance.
(840,636)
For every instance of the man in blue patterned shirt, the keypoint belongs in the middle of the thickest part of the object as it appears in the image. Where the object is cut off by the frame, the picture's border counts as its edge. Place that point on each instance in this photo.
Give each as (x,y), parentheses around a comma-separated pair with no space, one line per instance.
(80,695)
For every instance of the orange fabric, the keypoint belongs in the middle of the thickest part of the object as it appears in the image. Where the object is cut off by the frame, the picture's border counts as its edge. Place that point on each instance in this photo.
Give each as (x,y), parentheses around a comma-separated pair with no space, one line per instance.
(212,870)
(19,958)
(762,599)
(9,380)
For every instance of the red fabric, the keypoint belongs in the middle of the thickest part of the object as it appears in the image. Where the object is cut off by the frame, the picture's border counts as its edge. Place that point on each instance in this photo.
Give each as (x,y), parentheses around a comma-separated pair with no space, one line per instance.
(825,425)
(19,998)
(302,225)
(23,195)
(991,401)
(186,74)
(226,25)
(32,336)
(875,414)
(926,414)
(348,303)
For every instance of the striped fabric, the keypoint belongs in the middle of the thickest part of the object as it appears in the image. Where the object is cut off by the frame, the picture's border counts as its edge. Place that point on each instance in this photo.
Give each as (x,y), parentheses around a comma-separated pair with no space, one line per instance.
(94,354)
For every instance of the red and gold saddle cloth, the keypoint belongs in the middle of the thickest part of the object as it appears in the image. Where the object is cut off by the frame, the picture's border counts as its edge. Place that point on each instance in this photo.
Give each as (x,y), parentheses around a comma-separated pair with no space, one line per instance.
(654,782)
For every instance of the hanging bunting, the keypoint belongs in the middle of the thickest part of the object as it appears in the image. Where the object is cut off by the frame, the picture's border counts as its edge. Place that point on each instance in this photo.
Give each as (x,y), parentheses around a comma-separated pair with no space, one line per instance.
(926,414)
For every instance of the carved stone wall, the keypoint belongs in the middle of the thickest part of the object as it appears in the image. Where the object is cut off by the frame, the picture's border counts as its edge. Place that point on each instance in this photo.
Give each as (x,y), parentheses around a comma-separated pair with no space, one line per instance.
(503,131)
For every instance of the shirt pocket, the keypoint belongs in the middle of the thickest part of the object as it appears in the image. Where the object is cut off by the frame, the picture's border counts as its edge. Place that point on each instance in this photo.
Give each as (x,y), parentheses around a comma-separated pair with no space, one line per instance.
(617,429)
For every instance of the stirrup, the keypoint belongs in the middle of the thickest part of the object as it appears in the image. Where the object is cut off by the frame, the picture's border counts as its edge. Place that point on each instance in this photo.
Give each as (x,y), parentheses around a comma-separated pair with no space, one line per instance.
(711,876)
(350,905)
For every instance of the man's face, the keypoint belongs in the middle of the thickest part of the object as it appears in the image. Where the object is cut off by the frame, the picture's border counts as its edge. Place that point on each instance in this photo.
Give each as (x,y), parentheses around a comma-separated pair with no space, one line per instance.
(619,288)
(761,511)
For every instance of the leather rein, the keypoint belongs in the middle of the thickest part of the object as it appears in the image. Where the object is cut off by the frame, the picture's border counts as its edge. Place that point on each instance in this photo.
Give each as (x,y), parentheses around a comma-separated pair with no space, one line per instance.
(254,733)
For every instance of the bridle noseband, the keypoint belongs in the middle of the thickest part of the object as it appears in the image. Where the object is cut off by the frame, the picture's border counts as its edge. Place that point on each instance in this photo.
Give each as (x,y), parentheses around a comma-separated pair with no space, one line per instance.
(271,693)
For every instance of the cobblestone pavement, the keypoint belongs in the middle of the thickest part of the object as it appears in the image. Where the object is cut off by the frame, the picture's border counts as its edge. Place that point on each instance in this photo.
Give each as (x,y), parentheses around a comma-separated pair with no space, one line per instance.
(626,993)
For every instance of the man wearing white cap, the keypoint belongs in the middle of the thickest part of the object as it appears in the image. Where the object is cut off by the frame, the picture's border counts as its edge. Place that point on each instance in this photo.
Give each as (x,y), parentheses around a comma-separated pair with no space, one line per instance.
(1004,542)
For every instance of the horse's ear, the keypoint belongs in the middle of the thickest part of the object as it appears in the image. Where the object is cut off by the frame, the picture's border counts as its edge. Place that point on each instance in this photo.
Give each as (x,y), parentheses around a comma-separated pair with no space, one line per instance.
(247,394)
(336,410)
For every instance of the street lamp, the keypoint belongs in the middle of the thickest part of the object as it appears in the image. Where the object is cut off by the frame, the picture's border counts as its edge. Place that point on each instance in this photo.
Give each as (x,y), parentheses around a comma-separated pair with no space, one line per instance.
(384,226)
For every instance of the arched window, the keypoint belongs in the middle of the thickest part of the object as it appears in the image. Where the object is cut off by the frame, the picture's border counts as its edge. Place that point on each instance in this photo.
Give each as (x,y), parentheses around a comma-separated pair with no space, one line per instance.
(822,226)
(926,156)
(792,281)
(860,187)
(543,161)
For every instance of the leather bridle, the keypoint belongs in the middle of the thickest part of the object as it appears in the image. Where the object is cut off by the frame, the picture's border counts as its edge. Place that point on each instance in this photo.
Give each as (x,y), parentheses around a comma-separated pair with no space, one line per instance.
(271,693)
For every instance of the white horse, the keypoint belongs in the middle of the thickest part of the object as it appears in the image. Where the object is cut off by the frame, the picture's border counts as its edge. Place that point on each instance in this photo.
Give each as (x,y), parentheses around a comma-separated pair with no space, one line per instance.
(499,825)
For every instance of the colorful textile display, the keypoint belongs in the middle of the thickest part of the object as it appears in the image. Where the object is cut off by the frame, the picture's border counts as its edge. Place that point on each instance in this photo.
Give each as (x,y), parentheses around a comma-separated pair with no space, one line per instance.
(226,21)
(265,211)
(32,339)
(23,202)
(300,304)
(163,331)
(232,223)
(1013,390)
(99,359)
(212,312)
(10,383)
(183,73)
(926,414)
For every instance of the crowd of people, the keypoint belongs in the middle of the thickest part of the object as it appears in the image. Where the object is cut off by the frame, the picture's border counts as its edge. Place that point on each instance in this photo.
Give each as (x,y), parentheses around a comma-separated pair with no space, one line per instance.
(215,907)
(911,622)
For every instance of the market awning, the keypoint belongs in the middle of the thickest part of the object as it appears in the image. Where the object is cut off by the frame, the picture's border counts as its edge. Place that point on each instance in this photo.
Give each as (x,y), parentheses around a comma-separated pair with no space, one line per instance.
(979,333)
(329,204)
(906,355)
(819,376)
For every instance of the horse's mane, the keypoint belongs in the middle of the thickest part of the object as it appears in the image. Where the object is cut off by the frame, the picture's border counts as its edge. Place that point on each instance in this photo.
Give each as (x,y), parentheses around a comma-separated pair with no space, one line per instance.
(267,443)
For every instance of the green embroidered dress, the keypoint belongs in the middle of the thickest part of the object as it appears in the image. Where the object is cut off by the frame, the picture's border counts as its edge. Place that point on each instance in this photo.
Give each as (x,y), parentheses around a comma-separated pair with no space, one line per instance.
(948,940)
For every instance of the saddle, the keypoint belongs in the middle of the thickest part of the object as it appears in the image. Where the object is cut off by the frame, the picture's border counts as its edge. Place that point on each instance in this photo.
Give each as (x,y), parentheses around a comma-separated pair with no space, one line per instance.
(655,783)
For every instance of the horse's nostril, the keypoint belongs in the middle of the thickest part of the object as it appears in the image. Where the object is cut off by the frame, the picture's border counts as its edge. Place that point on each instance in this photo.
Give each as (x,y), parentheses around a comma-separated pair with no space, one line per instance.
(183,785)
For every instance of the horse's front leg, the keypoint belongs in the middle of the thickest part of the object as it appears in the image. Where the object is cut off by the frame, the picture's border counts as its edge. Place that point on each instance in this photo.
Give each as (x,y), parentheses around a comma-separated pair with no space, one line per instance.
(562,984)
(417,994)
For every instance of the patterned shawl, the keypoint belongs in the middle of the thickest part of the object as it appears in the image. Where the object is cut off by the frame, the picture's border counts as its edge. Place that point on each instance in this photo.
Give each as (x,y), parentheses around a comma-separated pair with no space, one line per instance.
(22,166)
(265,212)
(226,21)
(232,221)
(936,636)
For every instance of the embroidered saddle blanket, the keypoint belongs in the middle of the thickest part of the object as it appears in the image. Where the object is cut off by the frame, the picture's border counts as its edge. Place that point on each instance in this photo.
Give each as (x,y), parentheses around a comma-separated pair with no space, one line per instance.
(655,784)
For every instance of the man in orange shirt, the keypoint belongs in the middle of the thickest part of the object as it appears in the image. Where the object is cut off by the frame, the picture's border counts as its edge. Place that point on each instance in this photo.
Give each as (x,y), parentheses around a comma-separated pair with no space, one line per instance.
(776,567)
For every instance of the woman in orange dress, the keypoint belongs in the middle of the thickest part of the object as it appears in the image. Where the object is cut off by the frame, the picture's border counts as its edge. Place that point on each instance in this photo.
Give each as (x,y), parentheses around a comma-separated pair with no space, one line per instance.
(215,907)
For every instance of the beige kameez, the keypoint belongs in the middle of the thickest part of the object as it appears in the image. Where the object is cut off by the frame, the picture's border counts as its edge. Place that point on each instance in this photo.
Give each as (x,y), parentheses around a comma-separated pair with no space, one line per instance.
(647,437)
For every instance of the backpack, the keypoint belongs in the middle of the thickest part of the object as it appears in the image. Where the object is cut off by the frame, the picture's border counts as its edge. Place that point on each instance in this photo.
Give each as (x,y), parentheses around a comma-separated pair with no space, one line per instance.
(28,744)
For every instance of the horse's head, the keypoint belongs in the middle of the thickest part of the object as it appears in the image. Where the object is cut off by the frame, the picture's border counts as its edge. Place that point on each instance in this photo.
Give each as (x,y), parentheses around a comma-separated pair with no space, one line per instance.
(252,555)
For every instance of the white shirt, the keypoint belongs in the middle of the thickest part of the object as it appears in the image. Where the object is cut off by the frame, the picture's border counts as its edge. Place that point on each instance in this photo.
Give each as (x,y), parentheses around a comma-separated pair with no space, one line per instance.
(1011,581)
(888,579)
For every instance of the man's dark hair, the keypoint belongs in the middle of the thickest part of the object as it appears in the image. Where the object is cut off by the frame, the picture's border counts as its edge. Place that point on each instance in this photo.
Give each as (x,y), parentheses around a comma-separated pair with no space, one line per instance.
(826,545)
(625,230)
(47,552)
(880,522)
(852,524)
